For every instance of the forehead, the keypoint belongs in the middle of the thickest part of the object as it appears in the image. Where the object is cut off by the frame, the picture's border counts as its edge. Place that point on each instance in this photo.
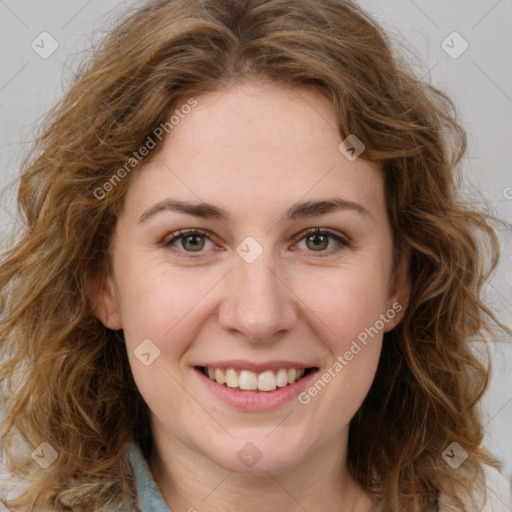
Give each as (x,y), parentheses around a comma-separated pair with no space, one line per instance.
(252,145)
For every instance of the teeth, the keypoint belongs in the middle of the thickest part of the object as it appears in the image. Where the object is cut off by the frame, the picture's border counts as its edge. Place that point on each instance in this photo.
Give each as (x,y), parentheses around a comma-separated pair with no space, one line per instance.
(246,380)
(282,378)
(219,376)
(232,378)
(267,381)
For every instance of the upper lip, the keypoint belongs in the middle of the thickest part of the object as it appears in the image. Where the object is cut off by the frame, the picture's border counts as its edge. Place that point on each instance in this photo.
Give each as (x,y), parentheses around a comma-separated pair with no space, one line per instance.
(239,364)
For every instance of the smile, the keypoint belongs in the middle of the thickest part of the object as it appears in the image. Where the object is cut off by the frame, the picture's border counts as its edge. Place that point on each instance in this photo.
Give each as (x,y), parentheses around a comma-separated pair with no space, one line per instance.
(246,380)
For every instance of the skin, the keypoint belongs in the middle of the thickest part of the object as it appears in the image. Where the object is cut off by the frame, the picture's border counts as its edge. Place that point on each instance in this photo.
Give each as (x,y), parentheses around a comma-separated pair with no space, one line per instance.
(254,151)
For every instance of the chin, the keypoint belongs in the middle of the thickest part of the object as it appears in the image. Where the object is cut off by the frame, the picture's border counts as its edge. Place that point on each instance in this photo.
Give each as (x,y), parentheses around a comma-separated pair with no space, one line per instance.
(258,458)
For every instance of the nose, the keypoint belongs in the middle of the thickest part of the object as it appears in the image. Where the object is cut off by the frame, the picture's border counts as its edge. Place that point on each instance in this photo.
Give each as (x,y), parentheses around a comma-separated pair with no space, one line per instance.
(257,304)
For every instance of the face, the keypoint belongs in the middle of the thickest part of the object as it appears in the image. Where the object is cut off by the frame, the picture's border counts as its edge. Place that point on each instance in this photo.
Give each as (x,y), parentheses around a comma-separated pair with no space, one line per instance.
(245,289)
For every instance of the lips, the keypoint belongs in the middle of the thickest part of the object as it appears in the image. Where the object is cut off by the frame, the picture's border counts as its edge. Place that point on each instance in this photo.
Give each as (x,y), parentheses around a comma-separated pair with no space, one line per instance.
(247,380)
(255,400)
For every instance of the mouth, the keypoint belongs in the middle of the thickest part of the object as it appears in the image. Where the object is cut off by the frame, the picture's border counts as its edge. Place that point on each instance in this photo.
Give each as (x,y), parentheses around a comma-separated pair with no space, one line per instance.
(249,381)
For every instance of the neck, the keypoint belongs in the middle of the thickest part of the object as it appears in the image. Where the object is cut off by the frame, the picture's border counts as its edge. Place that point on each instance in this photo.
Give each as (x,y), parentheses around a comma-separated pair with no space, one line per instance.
(192,482)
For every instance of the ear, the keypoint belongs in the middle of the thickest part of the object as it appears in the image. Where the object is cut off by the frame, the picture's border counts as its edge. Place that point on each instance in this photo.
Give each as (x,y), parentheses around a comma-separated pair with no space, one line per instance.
(399,290)
(104,301)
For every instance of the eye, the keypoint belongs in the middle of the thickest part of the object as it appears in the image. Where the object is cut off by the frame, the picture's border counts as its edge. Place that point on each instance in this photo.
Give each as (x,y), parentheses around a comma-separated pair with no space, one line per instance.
(317,240)
(189,241)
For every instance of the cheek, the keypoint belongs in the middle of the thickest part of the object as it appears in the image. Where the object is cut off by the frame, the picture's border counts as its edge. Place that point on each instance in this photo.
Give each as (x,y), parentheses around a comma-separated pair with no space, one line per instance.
(347,322)
(345,309)
(158,303)
(169,308)
(162,307)
(345,303)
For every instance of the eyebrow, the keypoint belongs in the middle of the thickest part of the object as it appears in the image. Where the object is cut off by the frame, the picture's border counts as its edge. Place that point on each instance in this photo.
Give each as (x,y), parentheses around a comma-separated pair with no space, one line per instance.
(296,212)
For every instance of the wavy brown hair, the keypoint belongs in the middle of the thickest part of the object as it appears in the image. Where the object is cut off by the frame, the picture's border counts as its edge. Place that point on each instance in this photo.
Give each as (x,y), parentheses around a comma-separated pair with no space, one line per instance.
(66,378)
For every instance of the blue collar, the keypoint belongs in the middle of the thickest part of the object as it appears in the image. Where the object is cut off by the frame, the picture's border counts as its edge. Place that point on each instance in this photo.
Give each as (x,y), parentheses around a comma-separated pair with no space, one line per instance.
(149,497)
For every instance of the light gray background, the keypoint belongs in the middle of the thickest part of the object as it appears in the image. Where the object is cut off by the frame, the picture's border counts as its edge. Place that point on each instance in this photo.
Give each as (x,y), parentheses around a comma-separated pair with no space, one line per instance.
(480,82)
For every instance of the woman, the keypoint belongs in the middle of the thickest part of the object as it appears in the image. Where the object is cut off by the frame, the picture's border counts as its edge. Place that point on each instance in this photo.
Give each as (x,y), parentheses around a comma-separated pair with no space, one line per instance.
(246,278)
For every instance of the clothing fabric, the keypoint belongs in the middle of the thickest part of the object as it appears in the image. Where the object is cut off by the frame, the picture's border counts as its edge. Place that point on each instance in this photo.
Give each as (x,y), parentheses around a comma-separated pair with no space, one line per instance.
(149,497)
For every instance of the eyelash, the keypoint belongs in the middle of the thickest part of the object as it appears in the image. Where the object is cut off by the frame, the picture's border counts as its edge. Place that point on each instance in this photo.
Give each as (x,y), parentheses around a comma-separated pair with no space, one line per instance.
(343,242)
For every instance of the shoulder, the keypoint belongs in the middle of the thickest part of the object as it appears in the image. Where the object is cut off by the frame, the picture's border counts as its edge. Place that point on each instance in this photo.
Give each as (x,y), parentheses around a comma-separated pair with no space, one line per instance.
(493,495)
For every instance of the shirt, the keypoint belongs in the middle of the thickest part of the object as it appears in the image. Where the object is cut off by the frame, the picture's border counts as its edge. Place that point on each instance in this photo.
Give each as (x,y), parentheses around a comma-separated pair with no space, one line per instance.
(149,497)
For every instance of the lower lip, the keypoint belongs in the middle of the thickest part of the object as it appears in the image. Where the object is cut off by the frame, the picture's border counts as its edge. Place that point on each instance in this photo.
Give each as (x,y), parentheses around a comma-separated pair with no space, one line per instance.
(256,400)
